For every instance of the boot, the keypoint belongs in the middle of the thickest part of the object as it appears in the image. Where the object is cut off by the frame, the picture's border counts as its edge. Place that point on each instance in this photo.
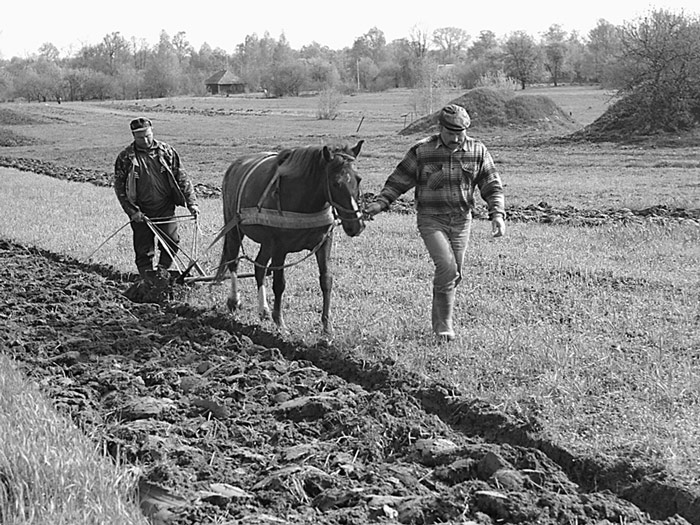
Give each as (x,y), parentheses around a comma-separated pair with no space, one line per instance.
(443,306)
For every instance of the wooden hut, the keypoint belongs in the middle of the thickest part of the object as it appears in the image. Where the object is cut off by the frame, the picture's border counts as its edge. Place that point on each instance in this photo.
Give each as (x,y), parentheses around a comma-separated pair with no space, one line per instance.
(224,83)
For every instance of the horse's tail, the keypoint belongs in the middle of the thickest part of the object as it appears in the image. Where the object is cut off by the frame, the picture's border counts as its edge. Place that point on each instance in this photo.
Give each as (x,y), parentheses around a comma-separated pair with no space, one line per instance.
(229,252)
(223,261)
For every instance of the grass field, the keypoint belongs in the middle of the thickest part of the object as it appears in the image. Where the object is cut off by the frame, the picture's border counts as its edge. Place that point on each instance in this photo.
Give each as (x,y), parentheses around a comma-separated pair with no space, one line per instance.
(592,330)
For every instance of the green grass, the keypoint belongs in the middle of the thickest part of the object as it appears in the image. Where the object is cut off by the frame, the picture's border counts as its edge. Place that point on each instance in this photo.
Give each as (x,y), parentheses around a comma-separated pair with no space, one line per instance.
(49,471)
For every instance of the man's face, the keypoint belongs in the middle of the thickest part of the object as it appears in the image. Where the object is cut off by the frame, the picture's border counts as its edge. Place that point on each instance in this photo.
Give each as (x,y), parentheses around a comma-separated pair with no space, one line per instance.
(144,139)
(452,139)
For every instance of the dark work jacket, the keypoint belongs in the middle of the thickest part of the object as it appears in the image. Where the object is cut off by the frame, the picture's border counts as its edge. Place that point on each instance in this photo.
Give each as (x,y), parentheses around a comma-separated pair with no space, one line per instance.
(127,172)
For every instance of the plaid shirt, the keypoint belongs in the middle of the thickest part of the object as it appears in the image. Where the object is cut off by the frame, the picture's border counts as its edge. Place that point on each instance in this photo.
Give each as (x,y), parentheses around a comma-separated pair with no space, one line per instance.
(444,180)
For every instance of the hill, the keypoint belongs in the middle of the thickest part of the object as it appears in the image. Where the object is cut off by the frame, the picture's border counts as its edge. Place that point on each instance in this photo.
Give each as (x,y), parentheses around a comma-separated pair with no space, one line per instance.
(489,108)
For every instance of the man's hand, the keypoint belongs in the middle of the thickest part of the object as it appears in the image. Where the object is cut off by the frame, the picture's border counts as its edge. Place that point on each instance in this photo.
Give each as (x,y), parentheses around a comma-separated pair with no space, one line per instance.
(194,210)
(498,226)
(373,209)
(138,216)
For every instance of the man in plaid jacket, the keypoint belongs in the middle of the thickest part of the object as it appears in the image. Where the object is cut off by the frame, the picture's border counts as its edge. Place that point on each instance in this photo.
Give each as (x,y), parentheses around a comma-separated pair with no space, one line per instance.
(445,169)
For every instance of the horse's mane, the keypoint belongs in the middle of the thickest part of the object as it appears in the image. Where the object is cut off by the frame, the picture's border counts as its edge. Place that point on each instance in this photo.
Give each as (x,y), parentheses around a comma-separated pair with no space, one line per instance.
(303,161)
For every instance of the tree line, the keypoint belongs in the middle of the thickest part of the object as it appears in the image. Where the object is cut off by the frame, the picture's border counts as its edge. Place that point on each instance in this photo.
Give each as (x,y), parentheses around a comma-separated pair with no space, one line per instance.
(656,53)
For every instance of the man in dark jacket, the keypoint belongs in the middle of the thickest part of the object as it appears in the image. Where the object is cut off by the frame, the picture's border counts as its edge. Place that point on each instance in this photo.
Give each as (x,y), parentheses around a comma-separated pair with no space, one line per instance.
(150,182)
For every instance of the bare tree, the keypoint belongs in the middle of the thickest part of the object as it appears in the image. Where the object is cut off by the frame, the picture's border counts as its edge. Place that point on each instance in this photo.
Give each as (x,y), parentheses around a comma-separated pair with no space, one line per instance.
(661,60)
(451,41)
(418,40)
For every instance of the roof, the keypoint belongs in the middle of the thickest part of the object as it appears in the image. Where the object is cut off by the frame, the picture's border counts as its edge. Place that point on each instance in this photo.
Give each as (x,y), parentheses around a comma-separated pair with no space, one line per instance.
(223,77)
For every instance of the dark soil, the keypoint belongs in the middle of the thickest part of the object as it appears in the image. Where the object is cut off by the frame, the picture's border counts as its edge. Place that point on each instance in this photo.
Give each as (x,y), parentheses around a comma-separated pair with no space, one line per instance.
(228,422)
(232,424)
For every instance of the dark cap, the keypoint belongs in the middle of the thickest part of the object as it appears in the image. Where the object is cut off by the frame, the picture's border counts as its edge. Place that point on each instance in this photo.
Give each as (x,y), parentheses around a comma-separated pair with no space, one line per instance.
(139,124)
(454,118)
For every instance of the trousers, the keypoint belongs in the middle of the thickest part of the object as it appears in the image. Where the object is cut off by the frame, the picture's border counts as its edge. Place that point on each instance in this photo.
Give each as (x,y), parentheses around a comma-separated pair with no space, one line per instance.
(145,241)
(446,238)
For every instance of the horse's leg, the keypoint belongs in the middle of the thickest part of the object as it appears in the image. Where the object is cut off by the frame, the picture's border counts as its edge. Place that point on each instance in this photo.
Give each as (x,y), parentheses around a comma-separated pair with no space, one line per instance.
(278,285)
(232,246)
(323,258)
(261,261)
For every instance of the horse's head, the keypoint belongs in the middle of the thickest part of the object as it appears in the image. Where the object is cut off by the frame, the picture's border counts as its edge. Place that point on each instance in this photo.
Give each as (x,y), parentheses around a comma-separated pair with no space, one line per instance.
(343,186)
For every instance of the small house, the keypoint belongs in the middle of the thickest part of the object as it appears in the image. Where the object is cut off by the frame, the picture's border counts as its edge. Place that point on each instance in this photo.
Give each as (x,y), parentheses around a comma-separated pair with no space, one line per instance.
(224,83)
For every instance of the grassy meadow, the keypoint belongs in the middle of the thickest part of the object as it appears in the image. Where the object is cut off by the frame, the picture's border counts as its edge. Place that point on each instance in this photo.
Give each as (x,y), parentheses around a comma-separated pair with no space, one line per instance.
(51,473)
(594,330)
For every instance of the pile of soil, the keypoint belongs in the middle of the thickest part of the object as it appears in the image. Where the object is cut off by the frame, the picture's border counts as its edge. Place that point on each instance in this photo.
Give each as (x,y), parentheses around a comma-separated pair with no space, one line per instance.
(489,108)
(624,122)
(229,423)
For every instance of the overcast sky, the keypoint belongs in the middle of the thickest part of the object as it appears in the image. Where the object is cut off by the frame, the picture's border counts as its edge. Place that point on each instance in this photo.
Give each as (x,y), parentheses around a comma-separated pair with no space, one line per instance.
(69,24)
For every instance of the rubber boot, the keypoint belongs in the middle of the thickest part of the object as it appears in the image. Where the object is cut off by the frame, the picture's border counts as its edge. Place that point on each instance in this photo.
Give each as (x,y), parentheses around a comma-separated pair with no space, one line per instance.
(443,306)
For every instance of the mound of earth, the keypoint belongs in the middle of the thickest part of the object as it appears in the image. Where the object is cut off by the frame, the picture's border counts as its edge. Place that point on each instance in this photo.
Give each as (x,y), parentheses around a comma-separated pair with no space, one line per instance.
(230,424)
(623,121)
(489,108)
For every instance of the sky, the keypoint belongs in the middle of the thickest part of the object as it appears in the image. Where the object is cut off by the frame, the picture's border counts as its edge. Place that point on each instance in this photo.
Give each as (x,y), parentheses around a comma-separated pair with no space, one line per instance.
(71,24)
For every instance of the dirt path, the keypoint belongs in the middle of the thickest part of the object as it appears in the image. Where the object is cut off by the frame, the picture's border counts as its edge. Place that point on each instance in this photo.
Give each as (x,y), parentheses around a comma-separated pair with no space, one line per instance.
(228,422)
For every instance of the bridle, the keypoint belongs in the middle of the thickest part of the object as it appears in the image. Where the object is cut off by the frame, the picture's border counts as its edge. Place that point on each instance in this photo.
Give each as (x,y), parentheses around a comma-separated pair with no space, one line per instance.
(357,214)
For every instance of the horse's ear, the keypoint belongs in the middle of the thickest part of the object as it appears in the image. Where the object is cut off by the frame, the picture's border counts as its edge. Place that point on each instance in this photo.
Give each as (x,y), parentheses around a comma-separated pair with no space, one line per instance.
(357,148)
(327,154)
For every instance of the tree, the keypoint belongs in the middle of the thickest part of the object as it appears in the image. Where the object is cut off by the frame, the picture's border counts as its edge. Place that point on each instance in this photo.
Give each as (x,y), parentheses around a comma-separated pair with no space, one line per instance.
(115,49)
(576,57)
(522,58)
(183,49)
(603,50)
(484,59)
(661,61)
(554,52)
(418,41)
(451,41)
(49,52)
(254,58)
(484,46)
(163,74)
(372,44)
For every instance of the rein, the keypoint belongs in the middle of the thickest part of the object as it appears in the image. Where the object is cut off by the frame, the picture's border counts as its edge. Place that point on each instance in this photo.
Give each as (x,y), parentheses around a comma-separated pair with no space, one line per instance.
(358,215)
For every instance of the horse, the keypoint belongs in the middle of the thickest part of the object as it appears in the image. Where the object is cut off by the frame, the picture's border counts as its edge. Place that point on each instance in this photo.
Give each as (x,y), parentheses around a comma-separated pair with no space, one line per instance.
(286,202)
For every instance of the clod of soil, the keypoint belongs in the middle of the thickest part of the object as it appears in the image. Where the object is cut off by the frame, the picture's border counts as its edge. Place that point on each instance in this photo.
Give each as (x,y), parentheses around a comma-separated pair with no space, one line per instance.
(228,423)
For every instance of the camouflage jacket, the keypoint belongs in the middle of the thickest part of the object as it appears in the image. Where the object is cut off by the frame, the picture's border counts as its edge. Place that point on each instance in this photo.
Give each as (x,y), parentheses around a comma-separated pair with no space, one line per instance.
(127,173)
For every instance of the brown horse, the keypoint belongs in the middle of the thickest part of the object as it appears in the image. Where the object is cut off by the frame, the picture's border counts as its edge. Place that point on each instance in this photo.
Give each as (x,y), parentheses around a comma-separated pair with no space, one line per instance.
(286,202)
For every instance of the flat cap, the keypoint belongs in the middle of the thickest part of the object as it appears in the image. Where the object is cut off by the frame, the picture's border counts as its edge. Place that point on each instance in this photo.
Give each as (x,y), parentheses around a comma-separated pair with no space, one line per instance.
(139,124)
(454,118)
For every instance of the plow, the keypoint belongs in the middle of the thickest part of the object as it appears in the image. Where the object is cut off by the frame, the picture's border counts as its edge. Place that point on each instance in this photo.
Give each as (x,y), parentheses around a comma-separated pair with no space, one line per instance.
(158,285)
